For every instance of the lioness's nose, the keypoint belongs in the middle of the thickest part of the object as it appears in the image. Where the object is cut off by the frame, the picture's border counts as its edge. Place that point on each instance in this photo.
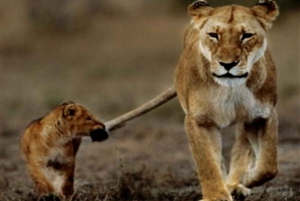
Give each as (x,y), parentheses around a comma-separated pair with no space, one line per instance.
(229,66)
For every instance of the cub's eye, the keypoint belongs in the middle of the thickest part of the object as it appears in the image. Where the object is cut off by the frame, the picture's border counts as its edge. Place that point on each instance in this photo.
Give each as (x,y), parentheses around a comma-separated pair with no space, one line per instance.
(213,35)
(247,35)
(88,118)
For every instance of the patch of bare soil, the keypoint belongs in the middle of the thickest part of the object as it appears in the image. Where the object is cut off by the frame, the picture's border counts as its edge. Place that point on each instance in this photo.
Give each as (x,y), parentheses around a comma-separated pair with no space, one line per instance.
(145,161)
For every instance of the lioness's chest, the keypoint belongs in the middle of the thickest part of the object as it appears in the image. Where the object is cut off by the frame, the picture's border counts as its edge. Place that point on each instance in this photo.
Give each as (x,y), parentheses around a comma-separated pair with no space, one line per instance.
(236,104)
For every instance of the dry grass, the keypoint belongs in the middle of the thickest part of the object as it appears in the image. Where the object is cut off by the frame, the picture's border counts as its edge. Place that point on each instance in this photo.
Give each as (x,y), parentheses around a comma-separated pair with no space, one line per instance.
(112,65)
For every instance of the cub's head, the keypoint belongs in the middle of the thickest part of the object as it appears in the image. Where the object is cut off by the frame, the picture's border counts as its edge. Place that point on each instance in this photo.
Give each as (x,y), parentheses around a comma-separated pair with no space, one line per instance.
(77,121)
(232,38)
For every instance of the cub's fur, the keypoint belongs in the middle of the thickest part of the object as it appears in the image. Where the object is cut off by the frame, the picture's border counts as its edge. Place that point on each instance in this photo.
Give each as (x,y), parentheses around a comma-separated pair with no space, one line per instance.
(50,144)
(226,76)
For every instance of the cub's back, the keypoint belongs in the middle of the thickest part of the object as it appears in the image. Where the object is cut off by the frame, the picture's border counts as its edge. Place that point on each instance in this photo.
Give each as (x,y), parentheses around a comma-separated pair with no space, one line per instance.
(31,136)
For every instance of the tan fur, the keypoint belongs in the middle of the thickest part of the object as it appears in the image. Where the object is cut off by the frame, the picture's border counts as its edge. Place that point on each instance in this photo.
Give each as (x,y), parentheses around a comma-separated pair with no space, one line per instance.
(50,144)
(217,38)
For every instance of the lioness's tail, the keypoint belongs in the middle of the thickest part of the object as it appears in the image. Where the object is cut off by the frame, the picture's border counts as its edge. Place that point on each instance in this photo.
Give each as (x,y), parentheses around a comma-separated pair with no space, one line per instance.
(146,107)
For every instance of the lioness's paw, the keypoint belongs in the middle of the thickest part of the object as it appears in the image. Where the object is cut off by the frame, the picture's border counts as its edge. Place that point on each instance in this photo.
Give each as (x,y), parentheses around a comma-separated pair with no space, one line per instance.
(216,199)
(238,191)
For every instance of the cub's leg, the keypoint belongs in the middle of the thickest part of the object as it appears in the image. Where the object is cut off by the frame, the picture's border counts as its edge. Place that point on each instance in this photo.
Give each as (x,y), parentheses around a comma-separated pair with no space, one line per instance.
(206,149)
(68,186)
(43,185)
(241,157)
(262,135)
(76,143)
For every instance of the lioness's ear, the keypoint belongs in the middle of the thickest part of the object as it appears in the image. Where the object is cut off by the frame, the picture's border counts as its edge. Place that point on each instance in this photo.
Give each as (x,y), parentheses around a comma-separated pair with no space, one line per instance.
(199,8)
(266,12)
(69,110)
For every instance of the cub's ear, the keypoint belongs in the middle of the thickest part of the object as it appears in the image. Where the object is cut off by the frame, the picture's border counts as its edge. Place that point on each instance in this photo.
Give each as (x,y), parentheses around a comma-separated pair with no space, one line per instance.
(67,103)
(266,12)
(69,109)
(199,8)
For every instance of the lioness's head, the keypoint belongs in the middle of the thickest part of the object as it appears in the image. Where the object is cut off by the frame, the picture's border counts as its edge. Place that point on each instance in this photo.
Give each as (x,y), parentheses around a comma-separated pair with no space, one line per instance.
(232,38)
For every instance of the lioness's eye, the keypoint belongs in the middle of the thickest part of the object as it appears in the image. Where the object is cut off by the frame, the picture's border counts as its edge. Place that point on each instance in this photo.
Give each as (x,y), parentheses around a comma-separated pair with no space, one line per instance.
(213,35)
(88,118)
(247,35)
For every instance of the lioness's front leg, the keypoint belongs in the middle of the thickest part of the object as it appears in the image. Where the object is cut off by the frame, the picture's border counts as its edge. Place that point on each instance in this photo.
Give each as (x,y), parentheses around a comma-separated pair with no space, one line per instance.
(263,137)
(241,160)
(206,149)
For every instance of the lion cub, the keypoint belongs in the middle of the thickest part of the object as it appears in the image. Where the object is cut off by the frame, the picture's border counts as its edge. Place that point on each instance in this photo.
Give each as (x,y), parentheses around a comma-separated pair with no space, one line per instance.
(50,144)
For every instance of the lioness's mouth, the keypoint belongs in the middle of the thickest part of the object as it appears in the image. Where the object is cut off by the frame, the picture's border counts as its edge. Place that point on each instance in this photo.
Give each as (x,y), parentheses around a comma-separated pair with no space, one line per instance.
(229,75)
(99,135)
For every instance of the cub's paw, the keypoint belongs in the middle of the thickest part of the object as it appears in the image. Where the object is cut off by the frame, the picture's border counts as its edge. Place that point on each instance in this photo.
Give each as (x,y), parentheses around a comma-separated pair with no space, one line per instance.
(49,197)
(238,191)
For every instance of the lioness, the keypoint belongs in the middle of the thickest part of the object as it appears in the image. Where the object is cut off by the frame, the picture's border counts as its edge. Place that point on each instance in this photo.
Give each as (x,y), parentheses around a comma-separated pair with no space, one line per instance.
(50,144)
(226,76)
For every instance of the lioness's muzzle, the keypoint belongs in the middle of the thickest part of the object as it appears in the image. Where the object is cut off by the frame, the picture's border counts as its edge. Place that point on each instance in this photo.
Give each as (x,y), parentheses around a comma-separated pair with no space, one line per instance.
(229,75)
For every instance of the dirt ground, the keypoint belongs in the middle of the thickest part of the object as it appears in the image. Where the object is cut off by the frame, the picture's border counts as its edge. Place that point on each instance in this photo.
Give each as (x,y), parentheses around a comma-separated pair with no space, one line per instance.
(112,65)
(145,161)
